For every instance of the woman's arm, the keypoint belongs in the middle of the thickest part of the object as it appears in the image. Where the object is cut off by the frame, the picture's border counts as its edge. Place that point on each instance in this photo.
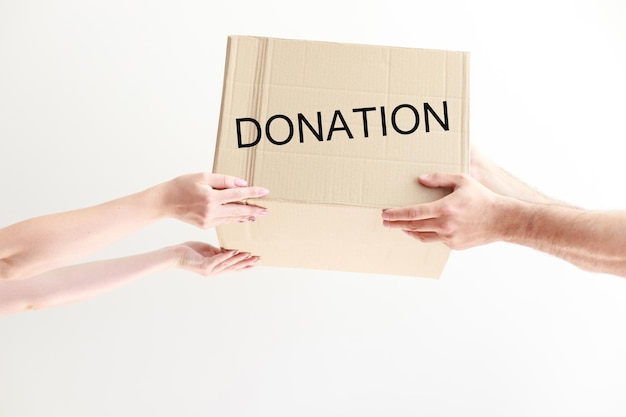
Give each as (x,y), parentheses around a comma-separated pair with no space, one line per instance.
(204,200)
(80,282)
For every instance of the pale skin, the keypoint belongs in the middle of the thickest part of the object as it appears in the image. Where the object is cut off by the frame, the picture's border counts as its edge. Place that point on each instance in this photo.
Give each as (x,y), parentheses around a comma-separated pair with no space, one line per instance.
(34,253)
(80,282)
(490,205)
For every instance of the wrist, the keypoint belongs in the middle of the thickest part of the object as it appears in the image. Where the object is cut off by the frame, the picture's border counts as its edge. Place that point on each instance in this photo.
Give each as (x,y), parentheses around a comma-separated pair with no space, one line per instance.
(154,200)
(169,257)
(515,219)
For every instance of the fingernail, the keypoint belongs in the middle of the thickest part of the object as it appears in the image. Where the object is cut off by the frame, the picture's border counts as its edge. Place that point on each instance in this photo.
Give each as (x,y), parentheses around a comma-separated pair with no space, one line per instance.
(264,213)
(241,183)
(264,191)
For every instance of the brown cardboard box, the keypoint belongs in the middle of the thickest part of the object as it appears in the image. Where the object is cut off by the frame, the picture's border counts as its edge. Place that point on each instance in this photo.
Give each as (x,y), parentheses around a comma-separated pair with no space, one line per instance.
(337,132)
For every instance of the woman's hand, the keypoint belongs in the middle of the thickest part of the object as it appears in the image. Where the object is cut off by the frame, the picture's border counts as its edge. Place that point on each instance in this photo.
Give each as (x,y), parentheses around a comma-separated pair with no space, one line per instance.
(206,200)
(209,261)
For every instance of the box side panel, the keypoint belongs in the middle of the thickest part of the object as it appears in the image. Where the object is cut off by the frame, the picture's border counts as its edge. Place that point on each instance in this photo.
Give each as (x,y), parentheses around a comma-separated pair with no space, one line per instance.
(314,237)
(337,132)
(352,107)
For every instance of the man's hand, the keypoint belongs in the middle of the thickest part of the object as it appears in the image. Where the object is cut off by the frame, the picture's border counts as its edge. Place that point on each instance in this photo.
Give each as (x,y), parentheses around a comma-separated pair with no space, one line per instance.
(465,218)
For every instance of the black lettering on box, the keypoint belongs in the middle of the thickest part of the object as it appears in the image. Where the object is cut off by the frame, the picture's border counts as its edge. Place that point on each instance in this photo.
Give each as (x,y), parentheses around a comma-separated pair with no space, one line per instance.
(317,133)
(442,123)
(344,126)
(269,134)
(256,124)
(395,124)
(364,110)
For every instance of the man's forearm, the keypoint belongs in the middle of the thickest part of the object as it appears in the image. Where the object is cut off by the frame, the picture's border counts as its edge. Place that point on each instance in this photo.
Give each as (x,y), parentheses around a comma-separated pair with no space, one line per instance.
(502,182)
(593,241)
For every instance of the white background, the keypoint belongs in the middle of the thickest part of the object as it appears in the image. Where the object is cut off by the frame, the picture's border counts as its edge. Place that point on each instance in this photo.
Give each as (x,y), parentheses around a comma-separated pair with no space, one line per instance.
(101,99)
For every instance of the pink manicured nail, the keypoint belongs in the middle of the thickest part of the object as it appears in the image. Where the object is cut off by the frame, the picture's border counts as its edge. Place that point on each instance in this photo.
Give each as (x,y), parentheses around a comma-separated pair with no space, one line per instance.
(241,183)
(264,213)
(264,191)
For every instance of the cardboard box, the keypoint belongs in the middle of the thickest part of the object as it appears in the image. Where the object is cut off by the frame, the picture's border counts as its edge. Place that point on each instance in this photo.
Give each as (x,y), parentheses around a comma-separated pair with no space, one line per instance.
(338,132)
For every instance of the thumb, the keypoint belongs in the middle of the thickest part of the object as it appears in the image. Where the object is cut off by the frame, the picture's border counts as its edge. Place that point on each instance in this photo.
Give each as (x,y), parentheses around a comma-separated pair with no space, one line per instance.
(440,180)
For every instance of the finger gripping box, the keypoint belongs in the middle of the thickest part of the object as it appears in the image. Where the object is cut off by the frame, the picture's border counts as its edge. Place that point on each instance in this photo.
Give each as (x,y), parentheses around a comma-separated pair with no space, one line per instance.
(337,132)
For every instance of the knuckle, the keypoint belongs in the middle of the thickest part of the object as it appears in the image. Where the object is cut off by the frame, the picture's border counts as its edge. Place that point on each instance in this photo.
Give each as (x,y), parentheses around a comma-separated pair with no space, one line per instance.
(413,212)
(413,226)
(205,177)
(446,228)
(209,197)
(205,211)
(204,223)
(447,211)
